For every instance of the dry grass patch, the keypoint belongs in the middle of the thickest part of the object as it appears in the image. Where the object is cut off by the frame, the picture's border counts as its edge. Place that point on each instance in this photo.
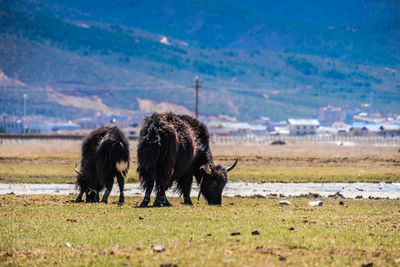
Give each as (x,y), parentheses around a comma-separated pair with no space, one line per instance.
(52,161)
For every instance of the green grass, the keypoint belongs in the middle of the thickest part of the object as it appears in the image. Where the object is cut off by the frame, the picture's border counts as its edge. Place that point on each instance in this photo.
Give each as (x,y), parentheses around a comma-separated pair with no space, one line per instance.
(34,231)
(303,174)
(64,173)
(42,173)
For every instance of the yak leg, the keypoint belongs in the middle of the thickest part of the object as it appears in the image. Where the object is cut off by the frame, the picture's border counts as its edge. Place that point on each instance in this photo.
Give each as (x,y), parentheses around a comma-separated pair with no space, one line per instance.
(97,197)
(90,197)
(185,185)
(121,182)
(161,198)
(79,198)
(109,185)
(149,185)
(146,199)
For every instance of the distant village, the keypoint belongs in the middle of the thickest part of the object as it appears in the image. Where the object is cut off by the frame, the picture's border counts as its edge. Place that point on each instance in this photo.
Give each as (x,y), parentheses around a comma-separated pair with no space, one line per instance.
(327,121)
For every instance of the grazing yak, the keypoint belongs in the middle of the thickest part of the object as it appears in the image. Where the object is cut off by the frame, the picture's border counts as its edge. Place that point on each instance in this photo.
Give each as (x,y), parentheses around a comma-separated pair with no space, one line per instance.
(174,148)
(105,154)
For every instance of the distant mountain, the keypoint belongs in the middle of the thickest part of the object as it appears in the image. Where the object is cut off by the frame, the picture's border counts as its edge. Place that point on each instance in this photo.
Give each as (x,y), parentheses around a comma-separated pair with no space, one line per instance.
(256,58)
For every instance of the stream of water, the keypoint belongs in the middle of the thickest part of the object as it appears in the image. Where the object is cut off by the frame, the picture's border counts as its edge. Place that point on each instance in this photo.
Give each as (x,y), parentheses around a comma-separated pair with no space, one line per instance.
(235,189)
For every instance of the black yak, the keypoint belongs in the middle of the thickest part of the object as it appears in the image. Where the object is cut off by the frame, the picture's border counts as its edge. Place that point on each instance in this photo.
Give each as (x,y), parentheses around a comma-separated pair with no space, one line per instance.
(174,148)
(105,154)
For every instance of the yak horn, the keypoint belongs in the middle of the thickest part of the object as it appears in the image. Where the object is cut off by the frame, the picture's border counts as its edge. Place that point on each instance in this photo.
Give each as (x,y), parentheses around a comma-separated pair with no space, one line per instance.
(76,169)
(207,169)
(231,167)
(198,197)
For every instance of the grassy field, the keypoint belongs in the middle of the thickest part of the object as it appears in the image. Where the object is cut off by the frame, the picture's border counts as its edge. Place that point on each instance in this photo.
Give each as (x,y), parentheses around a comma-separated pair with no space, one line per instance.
(53,162)
(50,230)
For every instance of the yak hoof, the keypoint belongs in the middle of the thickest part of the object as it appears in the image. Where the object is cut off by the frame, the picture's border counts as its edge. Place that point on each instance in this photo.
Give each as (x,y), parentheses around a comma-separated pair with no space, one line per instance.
(121,200)
(144,204)
(79,201)
(164,203)
(187,202)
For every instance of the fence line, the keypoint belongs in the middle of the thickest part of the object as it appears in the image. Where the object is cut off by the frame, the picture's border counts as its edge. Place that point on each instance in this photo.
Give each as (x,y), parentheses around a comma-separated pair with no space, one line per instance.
(50,136)
(307,139)
(248,139)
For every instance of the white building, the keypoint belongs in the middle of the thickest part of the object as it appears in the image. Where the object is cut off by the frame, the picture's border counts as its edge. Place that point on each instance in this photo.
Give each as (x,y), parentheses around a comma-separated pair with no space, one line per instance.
(302,126)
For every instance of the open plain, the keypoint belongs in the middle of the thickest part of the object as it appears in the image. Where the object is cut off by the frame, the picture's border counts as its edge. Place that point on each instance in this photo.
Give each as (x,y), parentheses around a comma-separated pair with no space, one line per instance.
(52,161)
(38,230)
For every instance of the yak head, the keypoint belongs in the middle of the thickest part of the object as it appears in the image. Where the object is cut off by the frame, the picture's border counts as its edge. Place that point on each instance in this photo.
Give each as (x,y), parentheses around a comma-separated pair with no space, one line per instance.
(213,181)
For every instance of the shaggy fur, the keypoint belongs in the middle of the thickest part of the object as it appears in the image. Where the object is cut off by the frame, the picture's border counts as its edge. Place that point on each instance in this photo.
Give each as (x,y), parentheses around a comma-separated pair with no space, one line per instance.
(172,149)
(105,155)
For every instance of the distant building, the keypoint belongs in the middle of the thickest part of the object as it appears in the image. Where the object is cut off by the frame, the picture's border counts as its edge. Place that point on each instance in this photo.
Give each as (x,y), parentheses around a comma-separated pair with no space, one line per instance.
(65,127)
(265,121)
(11,127)
(280,130)
(342,128)
(302,126)
(235,128)
(38,127)
(390,130)
(89,124)
(329,114)
(364,129)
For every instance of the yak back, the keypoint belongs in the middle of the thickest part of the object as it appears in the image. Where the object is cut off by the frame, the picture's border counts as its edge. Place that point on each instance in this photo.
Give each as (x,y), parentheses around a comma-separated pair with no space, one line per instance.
(203,151)
(171,143)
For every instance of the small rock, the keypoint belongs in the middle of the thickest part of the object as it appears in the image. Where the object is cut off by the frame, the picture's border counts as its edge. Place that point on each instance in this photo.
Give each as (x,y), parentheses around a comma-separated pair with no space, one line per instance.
(376,254)
(315,203)
(235,233)
(397,260)
(158,248)
(141,218)
(359,197)
(341,203)
(256,232)
(284,202)
(291,229)
(282,258)
(11,193)
(168,265)
(228,261)
(367,264)
(68,244)
(336,195)
(278,142)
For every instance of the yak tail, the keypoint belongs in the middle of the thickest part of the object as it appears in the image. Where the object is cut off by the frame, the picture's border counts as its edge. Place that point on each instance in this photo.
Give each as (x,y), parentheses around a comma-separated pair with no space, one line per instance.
(148,152)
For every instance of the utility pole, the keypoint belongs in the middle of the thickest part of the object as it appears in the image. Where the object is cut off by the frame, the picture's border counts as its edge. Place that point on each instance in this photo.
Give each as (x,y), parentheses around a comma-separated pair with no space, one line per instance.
(371,105)
(25,96)
(197,86)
